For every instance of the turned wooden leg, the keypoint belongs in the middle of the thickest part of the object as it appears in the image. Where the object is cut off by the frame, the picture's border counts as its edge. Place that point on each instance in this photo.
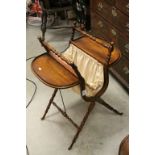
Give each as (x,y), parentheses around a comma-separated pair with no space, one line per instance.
(43,24)
(49,104)
(102,102)
(90,108)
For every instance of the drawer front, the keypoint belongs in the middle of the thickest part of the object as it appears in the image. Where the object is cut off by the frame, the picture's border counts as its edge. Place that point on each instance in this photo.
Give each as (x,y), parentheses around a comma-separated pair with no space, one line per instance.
(122,69)
(123,5)
(101,28)
(112,15)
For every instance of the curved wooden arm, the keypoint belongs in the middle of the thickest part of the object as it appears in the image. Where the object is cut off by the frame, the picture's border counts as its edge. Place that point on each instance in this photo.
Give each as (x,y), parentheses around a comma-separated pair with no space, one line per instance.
(83,84)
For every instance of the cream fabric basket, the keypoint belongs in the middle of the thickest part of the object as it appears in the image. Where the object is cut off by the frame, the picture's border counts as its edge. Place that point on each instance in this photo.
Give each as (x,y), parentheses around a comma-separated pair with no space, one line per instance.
(90,69)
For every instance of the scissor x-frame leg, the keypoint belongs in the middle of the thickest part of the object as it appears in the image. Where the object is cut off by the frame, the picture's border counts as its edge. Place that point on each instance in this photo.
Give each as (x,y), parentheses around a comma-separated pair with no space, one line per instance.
(80,127)
(49,104)
(90,108)
(102,102)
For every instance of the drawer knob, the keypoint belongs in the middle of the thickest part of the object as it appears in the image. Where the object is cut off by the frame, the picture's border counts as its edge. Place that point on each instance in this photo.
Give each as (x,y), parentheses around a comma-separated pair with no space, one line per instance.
(126,70)
(100,24)
(127,48)
(113,32)
(100,6)
(114,12)
(127,6)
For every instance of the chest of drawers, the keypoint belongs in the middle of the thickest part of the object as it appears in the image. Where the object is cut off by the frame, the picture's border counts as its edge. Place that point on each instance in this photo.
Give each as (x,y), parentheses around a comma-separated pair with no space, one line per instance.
(110,20)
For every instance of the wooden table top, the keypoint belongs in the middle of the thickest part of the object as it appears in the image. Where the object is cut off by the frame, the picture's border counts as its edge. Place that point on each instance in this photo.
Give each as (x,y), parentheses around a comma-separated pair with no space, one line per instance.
(96,50)
(52,73)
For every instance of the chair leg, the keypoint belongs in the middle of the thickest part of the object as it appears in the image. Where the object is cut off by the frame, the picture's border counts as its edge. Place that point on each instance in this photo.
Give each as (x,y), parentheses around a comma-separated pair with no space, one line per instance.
(90,108)
(43,24)
(102,102)
(49,104)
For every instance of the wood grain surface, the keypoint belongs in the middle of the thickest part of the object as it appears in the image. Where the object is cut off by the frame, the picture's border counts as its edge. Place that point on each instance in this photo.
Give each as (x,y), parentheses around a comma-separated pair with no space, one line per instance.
(52,73)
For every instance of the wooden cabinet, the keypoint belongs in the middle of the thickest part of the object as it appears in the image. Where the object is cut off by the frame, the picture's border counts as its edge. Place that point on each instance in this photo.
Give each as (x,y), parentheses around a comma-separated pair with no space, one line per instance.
(110,20)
